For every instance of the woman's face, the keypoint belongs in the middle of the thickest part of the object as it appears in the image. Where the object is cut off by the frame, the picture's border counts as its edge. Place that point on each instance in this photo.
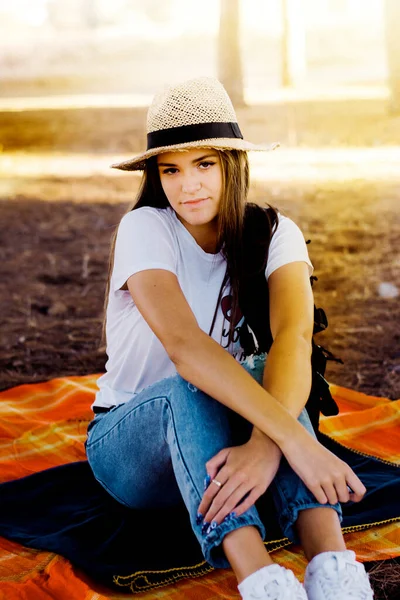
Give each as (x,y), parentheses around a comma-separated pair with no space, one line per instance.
(192,182)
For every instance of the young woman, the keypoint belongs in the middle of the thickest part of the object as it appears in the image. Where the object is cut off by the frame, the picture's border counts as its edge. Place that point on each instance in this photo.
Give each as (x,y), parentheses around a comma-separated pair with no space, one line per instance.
(181,411)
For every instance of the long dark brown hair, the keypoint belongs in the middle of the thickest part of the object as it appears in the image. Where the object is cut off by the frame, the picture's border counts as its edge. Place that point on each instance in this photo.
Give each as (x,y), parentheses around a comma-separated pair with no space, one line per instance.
(231,219)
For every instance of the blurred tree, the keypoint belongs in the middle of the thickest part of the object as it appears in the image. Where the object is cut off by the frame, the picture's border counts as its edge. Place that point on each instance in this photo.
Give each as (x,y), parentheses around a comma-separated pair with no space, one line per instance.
(293,43)
(89,12)
(392,20)
(229,56)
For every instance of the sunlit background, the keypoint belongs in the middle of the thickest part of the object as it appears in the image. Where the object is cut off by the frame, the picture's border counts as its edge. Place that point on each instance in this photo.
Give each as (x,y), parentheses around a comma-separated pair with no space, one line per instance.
(133,46)
(57,55)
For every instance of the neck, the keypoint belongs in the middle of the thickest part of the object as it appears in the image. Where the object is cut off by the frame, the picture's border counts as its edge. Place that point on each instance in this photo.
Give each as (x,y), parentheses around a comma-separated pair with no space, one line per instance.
(205,235)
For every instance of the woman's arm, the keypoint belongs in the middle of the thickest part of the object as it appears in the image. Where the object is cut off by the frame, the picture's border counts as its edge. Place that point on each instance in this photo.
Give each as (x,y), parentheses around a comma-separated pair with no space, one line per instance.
(287,373)
(201,360)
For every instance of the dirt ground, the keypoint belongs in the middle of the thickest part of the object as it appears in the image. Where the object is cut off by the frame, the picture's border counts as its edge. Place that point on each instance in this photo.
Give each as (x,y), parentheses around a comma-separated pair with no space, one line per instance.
(54,256)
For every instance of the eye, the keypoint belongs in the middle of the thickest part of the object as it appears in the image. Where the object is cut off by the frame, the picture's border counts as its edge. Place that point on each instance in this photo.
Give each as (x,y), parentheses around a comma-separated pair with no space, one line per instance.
(169,171)
(206,165)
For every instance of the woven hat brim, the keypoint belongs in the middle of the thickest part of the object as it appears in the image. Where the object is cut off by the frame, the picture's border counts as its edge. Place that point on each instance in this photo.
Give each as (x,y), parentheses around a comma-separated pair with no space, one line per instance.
(138,162)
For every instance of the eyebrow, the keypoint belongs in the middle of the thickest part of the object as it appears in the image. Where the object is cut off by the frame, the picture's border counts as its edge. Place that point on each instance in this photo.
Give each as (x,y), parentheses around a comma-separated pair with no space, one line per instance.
(163,164)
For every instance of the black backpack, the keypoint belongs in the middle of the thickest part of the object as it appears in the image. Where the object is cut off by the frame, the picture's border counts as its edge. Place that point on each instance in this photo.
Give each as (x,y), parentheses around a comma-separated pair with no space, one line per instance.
(254,302)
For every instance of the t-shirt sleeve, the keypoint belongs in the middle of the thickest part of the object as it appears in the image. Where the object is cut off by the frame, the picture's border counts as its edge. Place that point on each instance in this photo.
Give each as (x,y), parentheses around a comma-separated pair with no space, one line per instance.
(144,241)
(287,245)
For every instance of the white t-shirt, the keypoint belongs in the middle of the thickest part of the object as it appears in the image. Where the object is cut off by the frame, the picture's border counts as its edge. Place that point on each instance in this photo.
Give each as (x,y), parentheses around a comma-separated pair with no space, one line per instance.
(151,238)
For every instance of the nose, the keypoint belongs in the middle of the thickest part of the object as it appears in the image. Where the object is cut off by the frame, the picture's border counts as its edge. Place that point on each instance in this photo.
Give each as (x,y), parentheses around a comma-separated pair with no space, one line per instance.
(191,184)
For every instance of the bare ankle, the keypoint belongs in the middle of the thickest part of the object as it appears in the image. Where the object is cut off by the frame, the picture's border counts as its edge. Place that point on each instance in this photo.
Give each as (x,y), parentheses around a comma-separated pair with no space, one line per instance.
(320,531)
(245,551)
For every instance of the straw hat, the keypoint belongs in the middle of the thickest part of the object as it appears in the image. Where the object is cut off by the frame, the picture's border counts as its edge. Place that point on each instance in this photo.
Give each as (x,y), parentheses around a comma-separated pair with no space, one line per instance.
(194,114)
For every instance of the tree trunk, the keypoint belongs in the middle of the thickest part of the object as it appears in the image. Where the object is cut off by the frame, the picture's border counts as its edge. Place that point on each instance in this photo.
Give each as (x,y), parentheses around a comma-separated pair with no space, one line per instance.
(392,20)
(293,43)
(229,56)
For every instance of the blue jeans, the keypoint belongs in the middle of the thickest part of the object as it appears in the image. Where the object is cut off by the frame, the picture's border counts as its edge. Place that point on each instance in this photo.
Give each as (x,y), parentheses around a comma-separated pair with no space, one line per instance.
(152,450)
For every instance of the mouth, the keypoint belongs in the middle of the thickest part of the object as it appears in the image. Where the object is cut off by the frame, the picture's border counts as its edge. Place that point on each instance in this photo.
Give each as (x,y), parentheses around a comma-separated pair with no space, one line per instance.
(195,202)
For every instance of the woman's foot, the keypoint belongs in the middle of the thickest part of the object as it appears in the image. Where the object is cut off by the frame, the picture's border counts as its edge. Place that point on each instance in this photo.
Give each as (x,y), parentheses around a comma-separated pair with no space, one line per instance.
(272,583)
(334,575)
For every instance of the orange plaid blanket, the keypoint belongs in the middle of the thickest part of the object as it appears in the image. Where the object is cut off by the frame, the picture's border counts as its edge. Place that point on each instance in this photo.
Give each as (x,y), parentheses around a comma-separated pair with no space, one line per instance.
(44,425)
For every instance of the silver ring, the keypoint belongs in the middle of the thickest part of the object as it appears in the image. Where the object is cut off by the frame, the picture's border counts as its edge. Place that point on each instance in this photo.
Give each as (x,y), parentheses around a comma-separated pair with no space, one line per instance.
(218,483)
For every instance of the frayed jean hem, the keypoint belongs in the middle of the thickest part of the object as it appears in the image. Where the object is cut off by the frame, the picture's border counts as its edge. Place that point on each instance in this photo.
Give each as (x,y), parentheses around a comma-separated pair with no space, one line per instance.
(211,544)
(288,518)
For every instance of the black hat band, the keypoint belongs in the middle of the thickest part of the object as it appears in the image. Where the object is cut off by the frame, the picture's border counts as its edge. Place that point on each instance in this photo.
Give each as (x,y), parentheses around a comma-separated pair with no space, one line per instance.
(192,133)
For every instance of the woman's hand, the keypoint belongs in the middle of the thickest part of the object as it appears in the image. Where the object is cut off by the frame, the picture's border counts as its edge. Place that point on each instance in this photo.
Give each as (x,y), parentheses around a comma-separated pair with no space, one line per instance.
(329,478)
(245,472)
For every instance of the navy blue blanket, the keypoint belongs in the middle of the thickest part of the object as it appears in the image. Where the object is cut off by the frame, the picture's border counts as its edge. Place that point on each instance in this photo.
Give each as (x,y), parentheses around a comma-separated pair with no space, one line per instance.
(65,510)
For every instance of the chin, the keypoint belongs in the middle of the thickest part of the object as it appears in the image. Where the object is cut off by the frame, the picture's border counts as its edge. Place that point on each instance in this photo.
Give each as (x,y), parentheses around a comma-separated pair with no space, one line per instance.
(200,216)
(199,219)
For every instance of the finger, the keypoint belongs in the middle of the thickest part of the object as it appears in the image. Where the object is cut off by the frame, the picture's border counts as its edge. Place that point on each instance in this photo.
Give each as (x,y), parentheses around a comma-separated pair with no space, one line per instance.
(224,499)
(319,494)
(221,508)
(342,490)
(249,501)
(211,491)
(330,492)
(216,462)
(207,499)
(356,486)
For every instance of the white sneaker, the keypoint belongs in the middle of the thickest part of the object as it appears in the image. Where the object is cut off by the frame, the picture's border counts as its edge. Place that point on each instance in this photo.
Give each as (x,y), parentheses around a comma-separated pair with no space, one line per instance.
(337,576)
(272,583)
